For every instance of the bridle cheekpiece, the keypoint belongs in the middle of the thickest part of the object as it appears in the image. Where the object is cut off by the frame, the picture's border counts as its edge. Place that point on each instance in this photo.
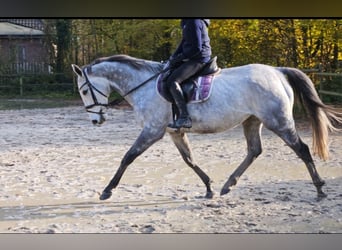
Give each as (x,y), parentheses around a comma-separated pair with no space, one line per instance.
(92,90)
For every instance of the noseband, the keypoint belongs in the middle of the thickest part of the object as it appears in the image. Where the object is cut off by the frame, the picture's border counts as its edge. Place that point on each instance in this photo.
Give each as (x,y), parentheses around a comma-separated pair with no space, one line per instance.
(92,90)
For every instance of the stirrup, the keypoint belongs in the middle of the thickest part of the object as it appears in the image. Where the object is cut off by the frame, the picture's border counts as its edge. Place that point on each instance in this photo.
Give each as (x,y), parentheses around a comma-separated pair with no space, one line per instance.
(181,123)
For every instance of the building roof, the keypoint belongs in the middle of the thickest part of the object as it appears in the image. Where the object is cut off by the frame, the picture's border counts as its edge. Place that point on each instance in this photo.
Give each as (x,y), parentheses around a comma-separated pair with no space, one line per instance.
(10,29)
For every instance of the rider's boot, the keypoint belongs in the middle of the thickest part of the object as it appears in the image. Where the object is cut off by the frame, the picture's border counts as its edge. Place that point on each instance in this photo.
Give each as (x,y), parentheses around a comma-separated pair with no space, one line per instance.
(184,120)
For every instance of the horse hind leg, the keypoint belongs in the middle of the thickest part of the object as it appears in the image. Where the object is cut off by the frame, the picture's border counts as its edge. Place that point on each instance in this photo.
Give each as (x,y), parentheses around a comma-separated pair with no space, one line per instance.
(182,143)
(292,139)
(252,131)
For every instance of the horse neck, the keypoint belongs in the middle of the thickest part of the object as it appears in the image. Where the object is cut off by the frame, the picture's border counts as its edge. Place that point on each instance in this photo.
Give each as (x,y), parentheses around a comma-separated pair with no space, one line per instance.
(126,78)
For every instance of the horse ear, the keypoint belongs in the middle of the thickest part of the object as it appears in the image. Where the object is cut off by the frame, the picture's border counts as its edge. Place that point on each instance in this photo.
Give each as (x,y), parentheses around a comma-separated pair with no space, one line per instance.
(77,70)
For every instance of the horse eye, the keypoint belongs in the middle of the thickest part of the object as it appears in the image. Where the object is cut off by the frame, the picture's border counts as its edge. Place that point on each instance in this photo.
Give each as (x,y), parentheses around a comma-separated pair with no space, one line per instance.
(84,92)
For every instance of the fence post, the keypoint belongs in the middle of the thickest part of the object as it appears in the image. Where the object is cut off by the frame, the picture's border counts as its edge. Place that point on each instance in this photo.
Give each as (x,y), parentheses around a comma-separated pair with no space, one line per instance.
(21,86)
(320,70)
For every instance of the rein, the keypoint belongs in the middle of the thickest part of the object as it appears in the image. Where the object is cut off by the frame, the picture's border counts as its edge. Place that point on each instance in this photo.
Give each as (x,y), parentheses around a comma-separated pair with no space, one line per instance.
(117,101)
(92,89)
(146,81)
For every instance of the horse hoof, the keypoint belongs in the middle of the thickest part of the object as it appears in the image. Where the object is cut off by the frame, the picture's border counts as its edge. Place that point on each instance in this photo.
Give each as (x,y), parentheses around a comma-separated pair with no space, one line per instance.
(225,191)
(105,195)
(209,195)
(321,196)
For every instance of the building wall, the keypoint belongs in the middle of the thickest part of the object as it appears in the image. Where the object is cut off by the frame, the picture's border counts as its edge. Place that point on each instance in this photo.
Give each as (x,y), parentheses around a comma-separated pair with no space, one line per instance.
(23,53)
(23,50)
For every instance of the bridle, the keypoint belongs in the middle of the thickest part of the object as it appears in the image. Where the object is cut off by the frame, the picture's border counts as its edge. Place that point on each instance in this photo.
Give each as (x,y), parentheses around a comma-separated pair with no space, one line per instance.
(92,90)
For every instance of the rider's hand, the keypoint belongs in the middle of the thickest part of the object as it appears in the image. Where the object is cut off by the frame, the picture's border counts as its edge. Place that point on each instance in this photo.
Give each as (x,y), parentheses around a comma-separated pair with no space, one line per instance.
(174,60)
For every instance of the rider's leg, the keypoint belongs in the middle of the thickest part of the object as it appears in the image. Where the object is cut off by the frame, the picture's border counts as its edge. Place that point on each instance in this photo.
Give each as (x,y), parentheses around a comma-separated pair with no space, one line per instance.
(184,119)
(177,76)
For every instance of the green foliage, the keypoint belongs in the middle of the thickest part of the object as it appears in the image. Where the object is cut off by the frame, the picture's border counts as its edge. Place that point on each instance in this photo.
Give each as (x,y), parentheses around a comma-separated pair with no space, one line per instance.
(302,43)
(332,84)
(144,38)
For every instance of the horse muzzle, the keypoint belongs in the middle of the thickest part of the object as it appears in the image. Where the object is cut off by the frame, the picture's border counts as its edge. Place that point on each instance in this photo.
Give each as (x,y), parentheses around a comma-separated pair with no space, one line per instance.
(98,119)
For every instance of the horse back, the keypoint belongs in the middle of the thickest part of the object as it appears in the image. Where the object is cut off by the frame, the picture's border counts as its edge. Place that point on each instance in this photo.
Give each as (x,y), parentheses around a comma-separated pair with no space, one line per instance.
(240,92)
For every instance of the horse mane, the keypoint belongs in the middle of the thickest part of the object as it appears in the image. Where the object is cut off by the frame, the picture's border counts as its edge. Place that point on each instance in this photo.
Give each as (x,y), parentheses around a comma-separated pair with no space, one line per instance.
(134,62)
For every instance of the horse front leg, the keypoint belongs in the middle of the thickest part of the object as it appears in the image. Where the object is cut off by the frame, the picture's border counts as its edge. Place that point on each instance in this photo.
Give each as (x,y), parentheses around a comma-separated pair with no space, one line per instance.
(182,143)
(144,141)
(252,131)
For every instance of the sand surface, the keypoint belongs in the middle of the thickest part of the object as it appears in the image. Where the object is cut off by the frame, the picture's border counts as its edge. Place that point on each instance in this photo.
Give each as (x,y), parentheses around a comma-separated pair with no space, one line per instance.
(54,163)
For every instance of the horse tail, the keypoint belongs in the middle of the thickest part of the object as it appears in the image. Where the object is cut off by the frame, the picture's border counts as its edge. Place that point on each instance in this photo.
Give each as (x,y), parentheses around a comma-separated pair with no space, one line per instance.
(323,118)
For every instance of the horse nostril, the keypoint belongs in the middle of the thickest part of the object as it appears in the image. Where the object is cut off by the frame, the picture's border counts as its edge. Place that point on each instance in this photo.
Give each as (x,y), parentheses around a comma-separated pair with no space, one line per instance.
(94,122)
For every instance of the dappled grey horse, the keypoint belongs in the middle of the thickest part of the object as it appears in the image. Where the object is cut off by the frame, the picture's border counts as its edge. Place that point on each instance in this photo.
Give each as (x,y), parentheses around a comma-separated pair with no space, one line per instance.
(251,95)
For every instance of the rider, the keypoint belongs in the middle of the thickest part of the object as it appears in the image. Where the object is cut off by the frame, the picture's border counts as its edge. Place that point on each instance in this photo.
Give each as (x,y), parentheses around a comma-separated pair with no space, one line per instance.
(191,55)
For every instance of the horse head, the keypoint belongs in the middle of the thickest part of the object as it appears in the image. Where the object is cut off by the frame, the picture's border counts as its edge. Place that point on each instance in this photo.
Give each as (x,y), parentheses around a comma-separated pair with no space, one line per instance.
(93,92)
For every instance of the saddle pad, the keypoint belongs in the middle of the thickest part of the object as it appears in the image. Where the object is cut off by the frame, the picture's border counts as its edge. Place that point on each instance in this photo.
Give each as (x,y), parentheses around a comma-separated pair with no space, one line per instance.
(202,89)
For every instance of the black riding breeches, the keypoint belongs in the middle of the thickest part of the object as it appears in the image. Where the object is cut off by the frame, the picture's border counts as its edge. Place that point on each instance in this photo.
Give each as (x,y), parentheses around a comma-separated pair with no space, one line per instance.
(183,72)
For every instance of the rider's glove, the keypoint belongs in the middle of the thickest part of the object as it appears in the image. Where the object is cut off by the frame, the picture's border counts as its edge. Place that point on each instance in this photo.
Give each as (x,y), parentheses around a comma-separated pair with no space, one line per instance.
(174,60)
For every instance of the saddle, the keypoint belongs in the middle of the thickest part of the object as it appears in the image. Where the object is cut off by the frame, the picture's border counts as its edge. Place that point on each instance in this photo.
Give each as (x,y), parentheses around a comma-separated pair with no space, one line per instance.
(195,89)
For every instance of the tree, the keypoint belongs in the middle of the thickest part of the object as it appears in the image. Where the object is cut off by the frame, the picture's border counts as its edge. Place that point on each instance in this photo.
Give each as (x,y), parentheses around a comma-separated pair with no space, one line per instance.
(63,44)
(302,43)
